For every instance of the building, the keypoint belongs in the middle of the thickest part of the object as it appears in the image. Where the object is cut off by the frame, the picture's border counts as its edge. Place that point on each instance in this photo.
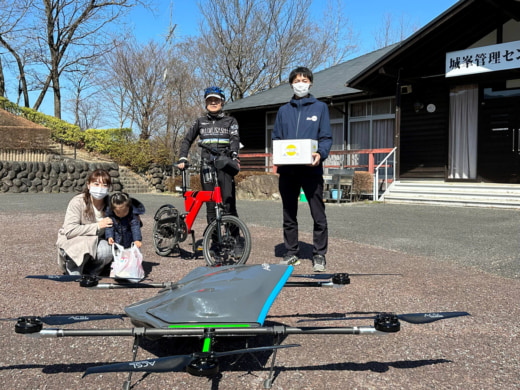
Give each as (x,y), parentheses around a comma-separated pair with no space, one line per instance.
(448,98)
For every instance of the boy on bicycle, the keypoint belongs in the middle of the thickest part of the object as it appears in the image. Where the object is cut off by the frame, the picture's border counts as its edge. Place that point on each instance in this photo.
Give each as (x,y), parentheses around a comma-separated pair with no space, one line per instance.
(220,132)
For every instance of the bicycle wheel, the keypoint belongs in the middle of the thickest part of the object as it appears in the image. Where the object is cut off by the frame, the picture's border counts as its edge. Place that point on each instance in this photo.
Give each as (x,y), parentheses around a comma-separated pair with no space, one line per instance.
(165,230)
(235,245)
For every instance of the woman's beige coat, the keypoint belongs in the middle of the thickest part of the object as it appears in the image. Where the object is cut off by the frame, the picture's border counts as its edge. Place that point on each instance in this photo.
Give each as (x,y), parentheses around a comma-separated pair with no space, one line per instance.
(78,235)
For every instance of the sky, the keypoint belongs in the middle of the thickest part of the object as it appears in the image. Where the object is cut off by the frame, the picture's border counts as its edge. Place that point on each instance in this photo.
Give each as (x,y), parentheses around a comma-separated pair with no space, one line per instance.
(365,17)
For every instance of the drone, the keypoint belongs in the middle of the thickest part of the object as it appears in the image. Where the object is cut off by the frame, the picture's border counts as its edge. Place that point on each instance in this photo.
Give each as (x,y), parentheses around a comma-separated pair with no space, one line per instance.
(210,303)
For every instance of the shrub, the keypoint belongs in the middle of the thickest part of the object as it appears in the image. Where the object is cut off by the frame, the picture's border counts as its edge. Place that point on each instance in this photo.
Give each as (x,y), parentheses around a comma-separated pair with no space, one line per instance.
(103,141)
(362,183)
(135,155)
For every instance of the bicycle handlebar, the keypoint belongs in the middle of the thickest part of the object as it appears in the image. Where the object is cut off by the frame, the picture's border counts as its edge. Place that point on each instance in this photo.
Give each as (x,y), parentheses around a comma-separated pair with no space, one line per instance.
(215,151)
(186,165)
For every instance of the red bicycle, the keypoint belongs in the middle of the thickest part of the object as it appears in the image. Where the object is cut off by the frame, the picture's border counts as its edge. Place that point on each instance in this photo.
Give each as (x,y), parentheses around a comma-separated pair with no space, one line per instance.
(226,240)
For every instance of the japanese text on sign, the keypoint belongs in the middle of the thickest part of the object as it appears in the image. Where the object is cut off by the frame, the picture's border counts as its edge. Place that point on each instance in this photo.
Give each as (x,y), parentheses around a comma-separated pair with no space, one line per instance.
(483,59)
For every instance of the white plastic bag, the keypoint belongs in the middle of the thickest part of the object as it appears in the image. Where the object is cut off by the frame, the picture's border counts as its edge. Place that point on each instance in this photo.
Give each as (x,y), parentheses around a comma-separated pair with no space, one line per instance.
(127,263)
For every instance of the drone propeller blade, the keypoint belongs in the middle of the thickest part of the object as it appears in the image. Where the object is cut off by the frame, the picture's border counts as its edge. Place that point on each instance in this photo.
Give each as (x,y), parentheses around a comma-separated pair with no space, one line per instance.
(424,318)
(165,364)
(92,281)
(65,319)
(173,363)
(57,278)
(330,276)
(412,318)
(254,350)
(313,276)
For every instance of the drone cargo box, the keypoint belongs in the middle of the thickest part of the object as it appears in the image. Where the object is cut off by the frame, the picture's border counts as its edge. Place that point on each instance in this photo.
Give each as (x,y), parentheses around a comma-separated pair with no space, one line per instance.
(294,151)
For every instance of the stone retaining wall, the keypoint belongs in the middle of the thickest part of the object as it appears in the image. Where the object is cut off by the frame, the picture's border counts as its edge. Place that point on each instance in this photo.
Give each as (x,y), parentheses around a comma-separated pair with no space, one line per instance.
(70,176)
(51,177)
(157,175)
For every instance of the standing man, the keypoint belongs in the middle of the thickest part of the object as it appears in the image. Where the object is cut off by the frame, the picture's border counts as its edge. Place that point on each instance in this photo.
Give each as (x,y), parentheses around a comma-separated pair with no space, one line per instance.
(304,117)
(218,131)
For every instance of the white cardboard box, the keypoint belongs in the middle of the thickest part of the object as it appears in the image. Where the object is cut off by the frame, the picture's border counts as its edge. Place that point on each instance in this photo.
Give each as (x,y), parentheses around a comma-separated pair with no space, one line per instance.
(294,151)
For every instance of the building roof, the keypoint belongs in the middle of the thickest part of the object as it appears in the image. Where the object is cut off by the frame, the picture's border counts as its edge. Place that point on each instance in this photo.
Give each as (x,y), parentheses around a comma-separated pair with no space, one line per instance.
(426,49)
(327,83)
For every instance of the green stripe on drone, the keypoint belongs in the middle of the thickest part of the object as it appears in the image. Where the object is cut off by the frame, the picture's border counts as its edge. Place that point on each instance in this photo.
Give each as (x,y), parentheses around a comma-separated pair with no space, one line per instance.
(207,345)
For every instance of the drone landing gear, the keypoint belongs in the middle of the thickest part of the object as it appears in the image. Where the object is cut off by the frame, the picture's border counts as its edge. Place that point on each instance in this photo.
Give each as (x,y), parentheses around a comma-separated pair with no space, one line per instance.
(128,382)
(268,383)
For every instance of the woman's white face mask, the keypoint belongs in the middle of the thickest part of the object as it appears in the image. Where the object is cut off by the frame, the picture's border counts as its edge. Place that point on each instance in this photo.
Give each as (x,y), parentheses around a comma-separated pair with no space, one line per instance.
(301,89)
(98,192)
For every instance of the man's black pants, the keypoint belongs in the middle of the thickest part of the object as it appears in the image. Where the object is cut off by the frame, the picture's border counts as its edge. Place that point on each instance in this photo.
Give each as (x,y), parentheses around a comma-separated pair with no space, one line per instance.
(312,185)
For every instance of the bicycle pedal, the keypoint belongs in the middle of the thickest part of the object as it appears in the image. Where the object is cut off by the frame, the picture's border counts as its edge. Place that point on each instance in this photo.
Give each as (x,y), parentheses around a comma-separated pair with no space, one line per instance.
(199,248)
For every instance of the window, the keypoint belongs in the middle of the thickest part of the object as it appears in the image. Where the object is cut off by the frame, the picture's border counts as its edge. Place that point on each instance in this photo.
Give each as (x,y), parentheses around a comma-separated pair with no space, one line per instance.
(270,118)
(337,125)
(371,126)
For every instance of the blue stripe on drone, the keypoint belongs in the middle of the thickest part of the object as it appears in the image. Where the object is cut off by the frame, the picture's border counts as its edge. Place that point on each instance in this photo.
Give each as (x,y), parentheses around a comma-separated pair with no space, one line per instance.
(274,294)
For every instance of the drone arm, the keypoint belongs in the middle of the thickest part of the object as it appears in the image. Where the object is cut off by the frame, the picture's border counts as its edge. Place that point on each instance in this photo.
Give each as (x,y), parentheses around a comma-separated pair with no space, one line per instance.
(116,286)
(199,332)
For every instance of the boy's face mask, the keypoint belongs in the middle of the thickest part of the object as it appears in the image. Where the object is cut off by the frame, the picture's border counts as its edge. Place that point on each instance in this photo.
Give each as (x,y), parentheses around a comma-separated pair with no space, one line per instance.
(301,89)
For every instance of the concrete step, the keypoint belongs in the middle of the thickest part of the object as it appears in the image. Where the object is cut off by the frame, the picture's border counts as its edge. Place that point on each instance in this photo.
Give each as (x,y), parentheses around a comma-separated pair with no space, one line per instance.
(455,194)
(131,182)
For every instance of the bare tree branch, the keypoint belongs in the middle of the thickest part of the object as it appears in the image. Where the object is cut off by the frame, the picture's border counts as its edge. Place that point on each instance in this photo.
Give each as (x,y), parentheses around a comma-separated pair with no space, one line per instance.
(248,46)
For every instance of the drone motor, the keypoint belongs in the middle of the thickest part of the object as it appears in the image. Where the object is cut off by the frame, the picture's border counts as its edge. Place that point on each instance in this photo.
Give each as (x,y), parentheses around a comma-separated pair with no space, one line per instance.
(29,324)
(341,278)
(88,281)
(387,322)
(203,366)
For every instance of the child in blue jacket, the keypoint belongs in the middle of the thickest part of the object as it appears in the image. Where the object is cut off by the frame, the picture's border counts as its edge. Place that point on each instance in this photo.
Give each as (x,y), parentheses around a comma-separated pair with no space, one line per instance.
(125,213)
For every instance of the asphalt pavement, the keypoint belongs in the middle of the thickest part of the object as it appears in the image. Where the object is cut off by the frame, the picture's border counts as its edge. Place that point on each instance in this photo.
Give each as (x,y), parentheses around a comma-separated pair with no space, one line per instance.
(483,238)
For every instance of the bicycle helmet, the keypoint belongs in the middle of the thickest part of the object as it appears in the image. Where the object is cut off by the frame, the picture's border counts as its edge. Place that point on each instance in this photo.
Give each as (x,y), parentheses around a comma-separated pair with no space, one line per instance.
(214,92)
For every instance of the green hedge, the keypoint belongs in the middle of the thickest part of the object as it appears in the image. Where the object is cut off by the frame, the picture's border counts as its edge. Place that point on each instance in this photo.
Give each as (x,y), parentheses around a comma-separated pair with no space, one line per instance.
(61,131)
(120,144)
(102,140)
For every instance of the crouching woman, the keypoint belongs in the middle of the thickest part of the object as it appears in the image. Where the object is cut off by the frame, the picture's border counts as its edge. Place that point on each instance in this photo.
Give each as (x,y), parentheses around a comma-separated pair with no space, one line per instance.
(82,248)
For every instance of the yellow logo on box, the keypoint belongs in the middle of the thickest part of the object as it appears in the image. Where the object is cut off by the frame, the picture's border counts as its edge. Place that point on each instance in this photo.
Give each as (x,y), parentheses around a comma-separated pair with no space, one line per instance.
(290,150)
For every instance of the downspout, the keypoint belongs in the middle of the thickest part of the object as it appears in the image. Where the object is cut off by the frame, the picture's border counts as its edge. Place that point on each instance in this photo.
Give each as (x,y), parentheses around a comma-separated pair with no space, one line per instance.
(397,133)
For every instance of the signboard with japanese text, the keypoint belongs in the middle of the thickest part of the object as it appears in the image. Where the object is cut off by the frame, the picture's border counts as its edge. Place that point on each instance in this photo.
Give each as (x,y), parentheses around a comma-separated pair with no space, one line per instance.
(483,59)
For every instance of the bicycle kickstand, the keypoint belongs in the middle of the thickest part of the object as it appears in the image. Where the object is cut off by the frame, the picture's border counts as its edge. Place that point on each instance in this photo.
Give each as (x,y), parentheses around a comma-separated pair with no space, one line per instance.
(193,245)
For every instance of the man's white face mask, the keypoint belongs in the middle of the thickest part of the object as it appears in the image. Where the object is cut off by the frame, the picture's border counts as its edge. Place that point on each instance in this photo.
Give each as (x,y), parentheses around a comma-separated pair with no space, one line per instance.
(301,89)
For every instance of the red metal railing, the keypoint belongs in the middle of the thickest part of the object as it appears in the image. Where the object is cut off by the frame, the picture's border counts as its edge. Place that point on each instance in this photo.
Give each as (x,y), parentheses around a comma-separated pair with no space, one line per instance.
(371,159)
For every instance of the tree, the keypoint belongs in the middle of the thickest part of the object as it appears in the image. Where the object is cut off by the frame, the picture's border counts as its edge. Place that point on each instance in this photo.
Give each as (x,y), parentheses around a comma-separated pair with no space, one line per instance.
(250,45)
(140,69)
(156,88)
(85,103)
(389,33)
(63,36)
(12,15)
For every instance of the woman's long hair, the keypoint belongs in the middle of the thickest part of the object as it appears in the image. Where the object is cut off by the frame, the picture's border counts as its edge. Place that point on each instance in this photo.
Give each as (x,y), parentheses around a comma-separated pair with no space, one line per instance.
(97,175)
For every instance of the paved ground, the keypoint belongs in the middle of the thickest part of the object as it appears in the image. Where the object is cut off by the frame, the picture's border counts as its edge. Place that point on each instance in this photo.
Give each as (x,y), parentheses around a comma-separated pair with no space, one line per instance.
(488,239)
(448,259)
